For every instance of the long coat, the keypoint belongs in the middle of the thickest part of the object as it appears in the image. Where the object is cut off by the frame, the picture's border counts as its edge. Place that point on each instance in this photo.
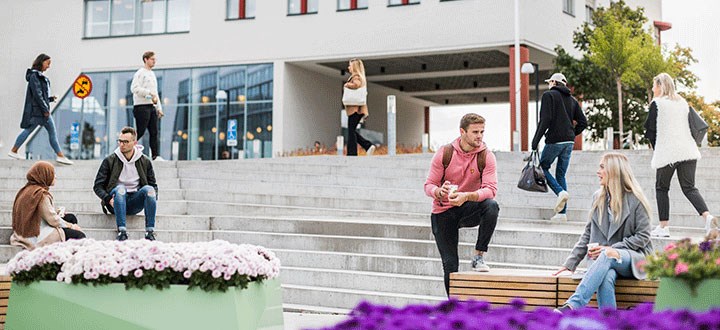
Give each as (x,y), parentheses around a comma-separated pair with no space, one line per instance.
(37,99)
(631,233)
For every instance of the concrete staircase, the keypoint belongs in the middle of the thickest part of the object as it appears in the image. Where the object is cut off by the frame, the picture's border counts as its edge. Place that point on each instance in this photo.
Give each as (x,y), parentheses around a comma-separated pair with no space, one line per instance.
(352,229)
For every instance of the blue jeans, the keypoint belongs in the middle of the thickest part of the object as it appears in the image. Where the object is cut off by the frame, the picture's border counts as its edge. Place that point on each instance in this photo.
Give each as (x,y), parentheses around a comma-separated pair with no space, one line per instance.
(131,203)
(561,152)
(600,278)
(52,135)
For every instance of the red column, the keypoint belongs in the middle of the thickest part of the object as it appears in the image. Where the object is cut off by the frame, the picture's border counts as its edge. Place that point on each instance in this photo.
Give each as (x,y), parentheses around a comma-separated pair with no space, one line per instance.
(353,4)
(303,6)
(241,9)
(524,97)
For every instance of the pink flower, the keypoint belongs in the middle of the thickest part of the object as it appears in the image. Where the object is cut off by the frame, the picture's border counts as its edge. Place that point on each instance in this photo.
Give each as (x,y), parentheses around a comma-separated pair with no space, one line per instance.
(670,246)
(673,256)
(138,272)
(681,268)
(187,274)
(717,262)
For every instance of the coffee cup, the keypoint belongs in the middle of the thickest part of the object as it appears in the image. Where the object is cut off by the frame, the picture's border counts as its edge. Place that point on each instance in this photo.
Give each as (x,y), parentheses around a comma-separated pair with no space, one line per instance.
(452,189)
(591,246)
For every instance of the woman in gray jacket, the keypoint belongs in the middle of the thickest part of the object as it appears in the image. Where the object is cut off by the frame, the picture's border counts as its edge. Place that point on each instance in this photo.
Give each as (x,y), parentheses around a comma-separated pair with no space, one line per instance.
(616,237)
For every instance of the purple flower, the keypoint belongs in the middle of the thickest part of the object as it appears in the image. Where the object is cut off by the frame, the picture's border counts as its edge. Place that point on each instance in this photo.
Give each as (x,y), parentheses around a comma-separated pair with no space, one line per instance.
(706,246)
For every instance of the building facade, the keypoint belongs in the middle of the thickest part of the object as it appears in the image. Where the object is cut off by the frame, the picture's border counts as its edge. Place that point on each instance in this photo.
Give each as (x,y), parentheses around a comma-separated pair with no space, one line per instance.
(280,65)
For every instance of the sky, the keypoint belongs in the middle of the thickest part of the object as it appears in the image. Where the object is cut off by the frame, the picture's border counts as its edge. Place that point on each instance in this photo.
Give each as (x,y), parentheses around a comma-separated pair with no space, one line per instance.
(694,24)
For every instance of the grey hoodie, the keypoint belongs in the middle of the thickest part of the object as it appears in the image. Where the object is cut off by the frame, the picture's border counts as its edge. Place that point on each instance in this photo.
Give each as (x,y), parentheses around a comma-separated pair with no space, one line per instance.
(129,176)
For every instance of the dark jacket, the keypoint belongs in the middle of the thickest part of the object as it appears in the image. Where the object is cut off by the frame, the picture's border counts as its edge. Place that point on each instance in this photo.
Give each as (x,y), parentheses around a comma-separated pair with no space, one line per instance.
(107,176)
(557,113)
(651,124)
(37,99)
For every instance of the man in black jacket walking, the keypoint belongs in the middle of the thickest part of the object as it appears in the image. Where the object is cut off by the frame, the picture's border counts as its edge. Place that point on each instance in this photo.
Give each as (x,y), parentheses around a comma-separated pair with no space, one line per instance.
(561,119)
(126,184)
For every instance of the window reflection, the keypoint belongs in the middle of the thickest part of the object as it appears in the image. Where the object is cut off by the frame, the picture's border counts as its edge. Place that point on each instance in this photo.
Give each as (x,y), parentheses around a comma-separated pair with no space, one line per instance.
(132,17)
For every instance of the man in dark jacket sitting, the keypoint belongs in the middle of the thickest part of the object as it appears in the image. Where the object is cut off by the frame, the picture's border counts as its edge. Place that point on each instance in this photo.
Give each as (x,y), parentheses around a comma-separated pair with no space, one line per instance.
(126,184)
(561,119)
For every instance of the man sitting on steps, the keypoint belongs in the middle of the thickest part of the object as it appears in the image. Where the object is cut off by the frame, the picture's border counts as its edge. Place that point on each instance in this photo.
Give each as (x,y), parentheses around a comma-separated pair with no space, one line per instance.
(463,182)
(126,184)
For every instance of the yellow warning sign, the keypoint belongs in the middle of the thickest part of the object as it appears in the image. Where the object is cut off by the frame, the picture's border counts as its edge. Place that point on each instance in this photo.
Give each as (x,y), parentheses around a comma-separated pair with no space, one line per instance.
(82,87)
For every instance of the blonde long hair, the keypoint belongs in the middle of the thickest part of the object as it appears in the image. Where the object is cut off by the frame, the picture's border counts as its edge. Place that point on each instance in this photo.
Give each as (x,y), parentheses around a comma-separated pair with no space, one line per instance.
(358,68)
(620,180)
(667,86)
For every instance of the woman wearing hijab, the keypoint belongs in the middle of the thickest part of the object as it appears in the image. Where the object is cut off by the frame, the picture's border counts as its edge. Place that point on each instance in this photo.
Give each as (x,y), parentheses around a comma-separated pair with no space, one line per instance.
(35,221)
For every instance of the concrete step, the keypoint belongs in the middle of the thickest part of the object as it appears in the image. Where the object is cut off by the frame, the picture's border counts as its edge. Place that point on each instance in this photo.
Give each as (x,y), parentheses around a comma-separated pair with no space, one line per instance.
(110,234)
(84,183)
(349,298)
(164,207)
(61,196)
(360,280)
(102,221)
(79,172)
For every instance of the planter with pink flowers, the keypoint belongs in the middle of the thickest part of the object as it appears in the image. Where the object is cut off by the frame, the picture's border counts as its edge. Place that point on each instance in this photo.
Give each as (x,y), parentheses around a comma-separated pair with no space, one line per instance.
(87,284)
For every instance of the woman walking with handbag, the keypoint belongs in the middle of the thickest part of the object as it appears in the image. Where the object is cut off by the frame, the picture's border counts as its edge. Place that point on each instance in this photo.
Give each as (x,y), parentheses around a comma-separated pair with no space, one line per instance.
(674,149)
(355,101)
(37,109)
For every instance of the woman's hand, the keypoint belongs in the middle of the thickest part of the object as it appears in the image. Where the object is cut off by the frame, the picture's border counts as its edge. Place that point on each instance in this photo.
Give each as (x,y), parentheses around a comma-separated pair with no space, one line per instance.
(562,269)
(595,252)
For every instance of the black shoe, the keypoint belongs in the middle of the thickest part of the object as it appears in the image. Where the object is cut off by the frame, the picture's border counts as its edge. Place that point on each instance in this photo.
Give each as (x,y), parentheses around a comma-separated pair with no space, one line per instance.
(104,209)
(562,310)
(150,235)
(122,236)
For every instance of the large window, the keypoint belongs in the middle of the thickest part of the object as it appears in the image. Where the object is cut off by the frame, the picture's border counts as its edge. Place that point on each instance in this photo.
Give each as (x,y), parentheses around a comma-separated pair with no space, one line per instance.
(402,2)
(105,18)
(352,4)
(302,7)
(240,9)
(195,123)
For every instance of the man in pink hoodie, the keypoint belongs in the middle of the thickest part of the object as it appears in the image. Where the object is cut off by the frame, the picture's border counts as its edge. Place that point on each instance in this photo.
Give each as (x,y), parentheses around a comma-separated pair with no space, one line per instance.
(472,204)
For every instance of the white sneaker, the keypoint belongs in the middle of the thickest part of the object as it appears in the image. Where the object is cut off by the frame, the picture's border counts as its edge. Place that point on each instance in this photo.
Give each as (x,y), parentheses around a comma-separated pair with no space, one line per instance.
(660,231)
(64,160)
(371,150)
(15,155)
(560,217)
(562,199)
(711,223)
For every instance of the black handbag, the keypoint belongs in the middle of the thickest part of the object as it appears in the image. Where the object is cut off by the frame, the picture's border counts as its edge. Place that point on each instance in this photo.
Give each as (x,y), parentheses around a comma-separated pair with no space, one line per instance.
(698,126)
(533,177)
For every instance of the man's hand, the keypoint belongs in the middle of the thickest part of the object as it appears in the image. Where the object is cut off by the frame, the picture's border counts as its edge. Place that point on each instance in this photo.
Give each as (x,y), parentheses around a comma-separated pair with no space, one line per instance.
(458,198)
(112,202)
(562,269)
(443,190)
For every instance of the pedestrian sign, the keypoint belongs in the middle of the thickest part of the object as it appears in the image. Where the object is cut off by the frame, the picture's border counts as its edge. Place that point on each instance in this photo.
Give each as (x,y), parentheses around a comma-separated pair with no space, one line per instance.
(75,136)
(82,87)
(232,133)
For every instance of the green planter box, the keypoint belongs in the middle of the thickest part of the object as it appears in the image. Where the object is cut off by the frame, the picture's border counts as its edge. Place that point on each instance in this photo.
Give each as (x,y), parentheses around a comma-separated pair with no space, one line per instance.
(55,305)
(674,293)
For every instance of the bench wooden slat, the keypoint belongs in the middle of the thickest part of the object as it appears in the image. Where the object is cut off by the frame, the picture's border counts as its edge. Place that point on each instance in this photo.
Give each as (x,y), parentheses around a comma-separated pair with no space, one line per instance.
(503,293)
(5,285)
(506,300)
(563,296)
(496,278)
(618,283)
(4,294)
(503,285)
(618,290)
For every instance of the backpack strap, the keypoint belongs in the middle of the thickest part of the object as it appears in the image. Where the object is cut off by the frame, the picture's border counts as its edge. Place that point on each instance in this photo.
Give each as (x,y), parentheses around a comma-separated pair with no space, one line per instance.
(447,157)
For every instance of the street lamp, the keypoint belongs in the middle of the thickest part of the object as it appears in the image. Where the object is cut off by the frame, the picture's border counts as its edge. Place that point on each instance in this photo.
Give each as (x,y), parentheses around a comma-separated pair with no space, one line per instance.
(530,67)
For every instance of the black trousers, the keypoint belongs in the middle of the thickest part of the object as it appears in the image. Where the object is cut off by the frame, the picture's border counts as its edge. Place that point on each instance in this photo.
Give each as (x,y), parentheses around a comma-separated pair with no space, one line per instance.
(445,227)
(146,118)
(354,137)
(686,177)
(72,233)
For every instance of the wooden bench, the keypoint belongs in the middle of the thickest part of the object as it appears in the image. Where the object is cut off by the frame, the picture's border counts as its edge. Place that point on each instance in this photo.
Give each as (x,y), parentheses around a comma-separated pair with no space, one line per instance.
(5,282)
(539,288)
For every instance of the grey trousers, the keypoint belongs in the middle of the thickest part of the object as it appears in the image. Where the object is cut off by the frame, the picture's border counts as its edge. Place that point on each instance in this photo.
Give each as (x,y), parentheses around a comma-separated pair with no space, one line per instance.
(686,177)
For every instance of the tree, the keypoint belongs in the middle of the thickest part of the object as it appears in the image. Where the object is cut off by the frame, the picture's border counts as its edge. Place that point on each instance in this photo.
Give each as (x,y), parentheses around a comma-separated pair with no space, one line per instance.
(617,62)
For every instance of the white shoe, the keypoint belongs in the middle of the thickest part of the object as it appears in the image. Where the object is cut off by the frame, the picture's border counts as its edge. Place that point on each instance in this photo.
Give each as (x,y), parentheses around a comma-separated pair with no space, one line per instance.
(64,160)
(15,155)
(371,150)
(711,223)
(660,231)
(560,217)
(562,199)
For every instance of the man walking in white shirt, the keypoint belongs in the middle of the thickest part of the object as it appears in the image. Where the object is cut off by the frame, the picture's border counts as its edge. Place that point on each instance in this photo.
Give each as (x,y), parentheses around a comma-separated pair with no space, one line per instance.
(147,108)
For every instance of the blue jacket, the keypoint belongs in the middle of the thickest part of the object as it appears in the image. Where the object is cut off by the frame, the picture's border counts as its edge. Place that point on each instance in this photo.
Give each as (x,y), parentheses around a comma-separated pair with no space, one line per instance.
(37,99)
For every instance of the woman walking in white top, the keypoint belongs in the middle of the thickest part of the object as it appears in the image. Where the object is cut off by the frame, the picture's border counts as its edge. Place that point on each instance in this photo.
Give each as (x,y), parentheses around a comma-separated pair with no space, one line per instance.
(668,130)
(356,109)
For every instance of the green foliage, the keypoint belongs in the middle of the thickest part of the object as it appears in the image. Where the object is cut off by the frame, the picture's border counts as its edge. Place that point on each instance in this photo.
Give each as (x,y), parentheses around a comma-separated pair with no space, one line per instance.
(45,272)
(617,49)
(689,262)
